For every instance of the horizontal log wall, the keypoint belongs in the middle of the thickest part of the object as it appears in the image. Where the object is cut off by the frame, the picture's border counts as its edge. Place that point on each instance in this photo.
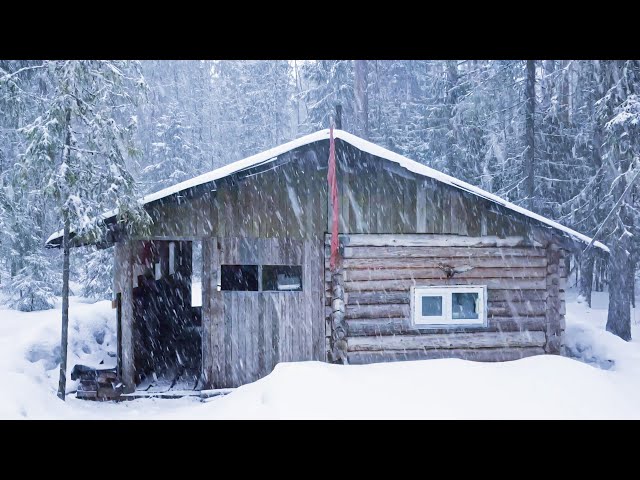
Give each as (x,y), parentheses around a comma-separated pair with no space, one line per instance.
(379,271)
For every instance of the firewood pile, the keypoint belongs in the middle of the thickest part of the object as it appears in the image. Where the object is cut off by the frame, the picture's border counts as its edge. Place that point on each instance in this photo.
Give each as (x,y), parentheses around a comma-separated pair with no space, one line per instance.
(97,384)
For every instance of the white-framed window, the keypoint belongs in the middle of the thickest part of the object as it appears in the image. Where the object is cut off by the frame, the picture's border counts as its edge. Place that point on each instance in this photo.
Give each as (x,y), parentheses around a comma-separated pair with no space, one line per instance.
(449,306)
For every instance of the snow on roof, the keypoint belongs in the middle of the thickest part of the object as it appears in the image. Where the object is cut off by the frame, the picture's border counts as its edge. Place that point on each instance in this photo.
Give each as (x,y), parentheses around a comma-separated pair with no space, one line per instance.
(364,145)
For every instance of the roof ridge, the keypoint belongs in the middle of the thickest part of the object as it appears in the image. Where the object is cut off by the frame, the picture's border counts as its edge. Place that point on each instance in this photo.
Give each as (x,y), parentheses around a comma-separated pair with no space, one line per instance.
(363,145)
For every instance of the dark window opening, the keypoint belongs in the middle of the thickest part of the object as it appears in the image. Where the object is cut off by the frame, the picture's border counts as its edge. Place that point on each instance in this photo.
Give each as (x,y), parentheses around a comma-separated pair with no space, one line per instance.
(239,277)
(282,278)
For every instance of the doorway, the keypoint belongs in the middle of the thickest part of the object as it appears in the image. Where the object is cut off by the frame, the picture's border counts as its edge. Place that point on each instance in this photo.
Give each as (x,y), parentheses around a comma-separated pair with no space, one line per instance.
(167,317)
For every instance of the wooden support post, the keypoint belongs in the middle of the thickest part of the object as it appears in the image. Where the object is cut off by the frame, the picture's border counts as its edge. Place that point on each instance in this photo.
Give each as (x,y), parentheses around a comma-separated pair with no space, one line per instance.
(207,285)
(217,319)
(124,254)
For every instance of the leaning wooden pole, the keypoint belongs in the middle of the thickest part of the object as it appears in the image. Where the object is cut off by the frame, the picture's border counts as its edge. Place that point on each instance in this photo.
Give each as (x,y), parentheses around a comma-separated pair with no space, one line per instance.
(338,323)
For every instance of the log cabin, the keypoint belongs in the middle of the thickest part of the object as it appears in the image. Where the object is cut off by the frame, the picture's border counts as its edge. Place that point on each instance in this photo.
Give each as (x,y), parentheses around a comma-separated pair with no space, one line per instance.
(234,276)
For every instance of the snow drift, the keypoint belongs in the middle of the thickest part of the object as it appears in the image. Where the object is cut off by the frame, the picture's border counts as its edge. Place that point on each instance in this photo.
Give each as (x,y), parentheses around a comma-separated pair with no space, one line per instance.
(602,382)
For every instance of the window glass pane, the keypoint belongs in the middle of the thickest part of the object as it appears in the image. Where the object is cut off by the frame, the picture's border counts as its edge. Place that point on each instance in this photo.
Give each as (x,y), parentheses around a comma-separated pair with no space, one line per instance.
(431,306)
(464,305)
(239,277)
(282,278)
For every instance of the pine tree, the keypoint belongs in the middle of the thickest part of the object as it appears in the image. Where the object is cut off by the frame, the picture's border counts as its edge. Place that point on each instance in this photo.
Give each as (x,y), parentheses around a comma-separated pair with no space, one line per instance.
(96,274)
(80,146)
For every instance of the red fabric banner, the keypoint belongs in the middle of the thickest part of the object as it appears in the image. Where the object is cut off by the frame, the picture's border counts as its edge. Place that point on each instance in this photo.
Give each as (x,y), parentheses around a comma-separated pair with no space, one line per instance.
(333,194)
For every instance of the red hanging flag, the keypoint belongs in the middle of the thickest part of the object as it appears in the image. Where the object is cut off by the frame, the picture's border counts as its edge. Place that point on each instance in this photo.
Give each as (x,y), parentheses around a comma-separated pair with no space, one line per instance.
(333,194)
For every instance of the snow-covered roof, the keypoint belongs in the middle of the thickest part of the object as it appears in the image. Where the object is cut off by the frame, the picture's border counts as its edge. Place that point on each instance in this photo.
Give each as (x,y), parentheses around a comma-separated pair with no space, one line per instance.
(364,145)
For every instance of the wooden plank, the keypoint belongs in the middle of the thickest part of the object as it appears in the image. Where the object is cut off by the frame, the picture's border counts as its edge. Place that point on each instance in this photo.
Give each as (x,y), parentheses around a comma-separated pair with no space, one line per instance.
(421,207)
(488,262)
(448,341)
(396,285)
(267,204)
(254,338)
(313,269)
(228,341)
(272,299)
(403,326)
(495,309)
(344,194)
(377,311)
(125,254)
(261,340)
(474,214)
(379,298)
(368,197)
(394,203)
(503,257)
(517,309)
(480,355)
(408,212)
(355,194)
(428,273)
(516,295)
(245,300)
(445,240)
(445,211)
(435,218)
(218,328)
(458,214)
(207,344)
(225,210)
(381,205)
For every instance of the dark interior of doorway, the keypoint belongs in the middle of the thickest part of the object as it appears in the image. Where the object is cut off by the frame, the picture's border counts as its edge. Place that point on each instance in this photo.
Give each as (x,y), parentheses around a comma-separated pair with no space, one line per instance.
(167,326)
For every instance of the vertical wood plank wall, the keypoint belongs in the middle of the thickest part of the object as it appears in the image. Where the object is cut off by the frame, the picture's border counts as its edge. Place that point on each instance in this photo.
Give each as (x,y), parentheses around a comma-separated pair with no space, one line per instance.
(282,207)
(253,331)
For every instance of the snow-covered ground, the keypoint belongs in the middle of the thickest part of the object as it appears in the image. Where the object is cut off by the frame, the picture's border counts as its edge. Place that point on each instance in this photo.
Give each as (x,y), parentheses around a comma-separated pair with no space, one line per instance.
(605,383)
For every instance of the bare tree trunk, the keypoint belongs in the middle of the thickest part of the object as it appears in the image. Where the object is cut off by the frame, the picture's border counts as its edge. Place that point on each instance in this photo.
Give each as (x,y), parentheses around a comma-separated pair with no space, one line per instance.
(619,315)
(632,283)
(451,99)
(529,166)
(586,277)
(362,98)
(62,386)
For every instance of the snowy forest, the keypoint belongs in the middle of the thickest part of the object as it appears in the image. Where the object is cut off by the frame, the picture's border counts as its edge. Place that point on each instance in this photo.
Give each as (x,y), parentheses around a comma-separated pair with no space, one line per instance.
(77,138)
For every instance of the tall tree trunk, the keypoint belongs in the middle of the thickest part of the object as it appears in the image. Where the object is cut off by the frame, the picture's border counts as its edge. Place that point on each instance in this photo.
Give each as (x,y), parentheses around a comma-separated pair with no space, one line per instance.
(632,283)
(619,315)
(586,277)
(62,385)
(529,166)
(362,98)
(451,99)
